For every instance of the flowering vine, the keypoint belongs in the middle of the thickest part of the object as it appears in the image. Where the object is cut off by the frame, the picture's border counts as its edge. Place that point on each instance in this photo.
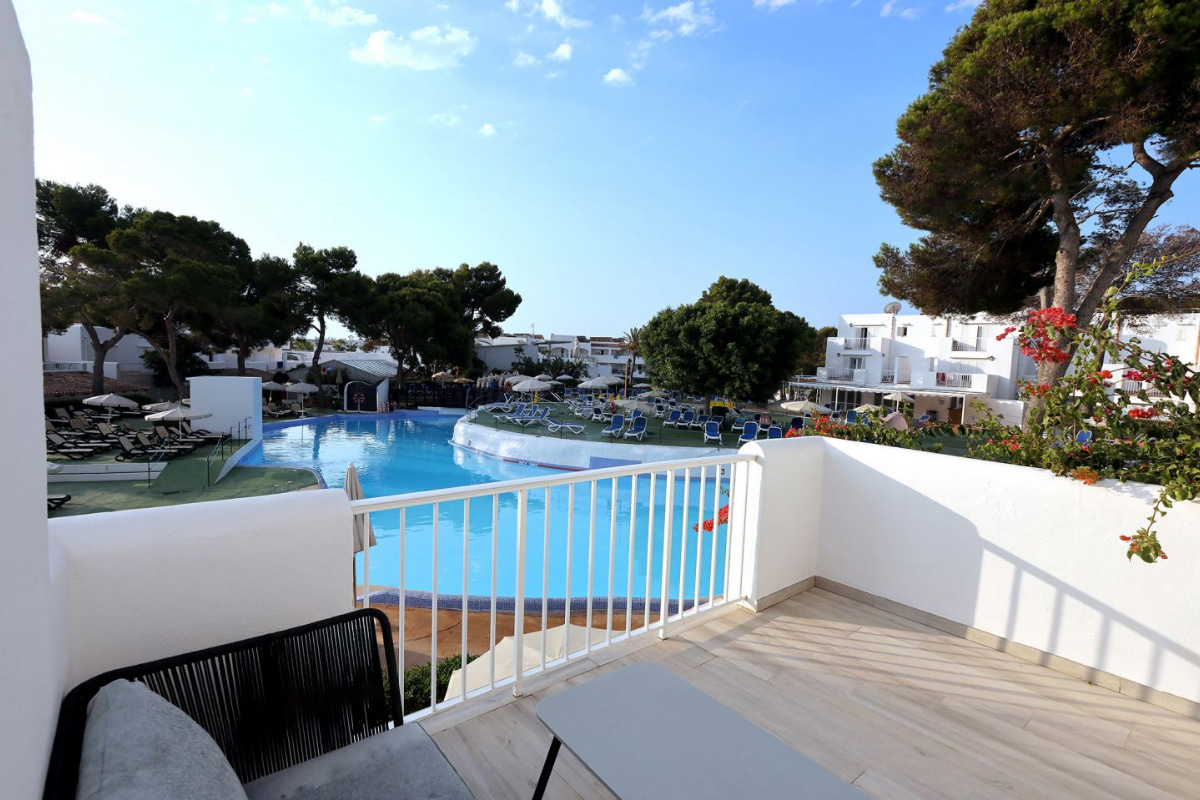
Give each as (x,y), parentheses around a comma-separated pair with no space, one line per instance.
(1149,431)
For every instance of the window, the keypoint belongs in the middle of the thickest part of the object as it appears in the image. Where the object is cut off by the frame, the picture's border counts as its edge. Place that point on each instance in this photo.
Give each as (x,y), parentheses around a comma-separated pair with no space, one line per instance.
(856,362)
(1183,332)
(902,332)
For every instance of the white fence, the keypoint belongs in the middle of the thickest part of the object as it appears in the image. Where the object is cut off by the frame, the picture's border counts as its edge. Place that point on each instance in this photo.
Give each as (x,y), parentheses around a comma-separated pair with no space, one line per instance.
(584,546)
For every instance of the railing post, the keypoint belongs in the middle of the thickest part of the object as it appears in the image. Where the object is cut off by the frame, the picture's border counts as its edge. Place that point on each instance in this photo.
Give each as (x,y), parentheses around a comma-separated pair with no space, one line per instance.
(519,593)
(668,535)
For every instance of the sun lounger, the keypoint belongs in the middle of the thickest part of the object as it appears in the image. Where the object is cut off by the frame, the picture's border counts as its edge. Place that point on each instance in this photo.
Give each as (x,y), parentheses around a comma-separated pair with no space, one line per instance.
(672,419)
(614,427)
(686,420)
(637,430)
(1083,438)
(700,421)
(774,432)
(130,451)
(73,450)
(541,416)
(207,436)
(749,433)
(712,432)
(570,427)
(145,441)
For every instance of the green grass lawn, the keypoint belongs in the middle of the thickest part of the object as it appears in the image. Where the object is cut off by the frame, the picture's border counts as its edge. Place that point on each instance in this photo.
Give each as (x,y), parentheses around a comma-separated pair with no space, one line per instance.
(90,497)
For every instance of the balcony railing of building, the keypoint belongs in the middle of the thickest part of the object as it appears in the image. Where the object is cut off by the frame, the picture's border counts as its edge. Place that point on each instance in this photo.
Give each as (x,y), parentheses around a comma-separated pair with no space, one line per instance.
(490,537)
(961,346)
(954,380)
(66,366)
(895,376)
(839,374)
(1133,387)
(857,343)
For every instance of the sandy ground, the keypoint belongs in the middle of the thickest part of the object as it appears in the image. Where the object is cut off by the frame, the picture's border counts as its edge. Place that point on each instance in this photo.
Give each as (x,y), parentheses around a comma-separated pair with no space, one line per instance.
(417,629)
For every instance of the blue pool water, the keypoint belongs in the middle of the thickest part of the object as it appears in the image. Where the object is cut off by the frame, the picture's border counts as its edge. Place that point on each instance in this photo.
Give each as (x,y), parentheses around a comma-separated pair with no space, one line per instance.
(397,455)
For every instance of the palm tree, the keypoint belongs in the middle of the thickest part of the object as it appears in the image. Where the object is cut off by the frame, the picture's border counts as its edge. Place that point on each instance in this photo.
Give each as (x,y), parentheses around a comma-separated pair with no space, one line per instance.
(633,346)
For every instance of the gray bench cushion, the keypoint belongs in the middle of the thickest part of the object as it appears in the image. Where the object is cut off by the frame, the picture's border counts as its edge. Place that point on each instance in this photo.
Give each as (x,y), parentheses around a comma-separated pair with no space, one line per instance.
(137,746)
(400,763)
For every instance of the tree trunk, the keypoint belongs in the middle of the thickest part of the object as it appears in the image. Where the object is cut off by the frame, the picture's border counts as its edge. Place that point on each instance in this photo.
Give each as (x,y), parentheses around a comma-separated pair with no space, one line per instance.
(242,347)
(316,362)
(172,356)
(100,353)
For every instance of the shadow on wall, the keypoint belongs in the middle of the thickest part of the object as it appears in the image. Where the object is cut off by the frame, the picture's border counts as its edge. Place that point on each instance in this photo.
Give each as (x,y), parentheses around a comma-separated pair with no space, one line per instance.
(980,544)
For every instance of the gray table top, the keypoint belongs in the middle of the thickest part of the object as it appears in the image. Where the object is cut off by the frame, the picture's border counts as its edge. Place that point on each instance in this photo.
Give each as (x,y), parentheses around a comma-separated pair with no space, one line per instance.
(646,733)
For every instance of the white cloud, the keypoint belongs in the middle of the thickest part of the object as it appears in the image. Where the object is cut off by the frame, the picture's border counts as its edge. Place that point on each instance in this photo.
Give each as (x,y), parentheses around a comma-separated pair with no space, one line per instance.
(638,56)
(512,5)
(246,92)
(561,53)
(684,19)
(558,73)
(771,5)
(378,119)
(553,11)
(424,49)
(341,16)
(618,77)
(890,9)
(488,130)
(449,118)
(90,18)
(961,4)
(524,59)
(615,21)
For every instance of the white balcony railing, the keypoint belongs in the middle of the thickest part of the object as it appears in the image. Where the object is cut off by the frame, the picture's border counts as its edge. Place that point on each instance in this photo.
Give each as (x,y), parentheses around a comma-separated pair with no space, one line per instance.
(66,366)
(1133,387)
(955,380)
(839,374)
(626,540)
(857,343)
(960,346)
(895,376)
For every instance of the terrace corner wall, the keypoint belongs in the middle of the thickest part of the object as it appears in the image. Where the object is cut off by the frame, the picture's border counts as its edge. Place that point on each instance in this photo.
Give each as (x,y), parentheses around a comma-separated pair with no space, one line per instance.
(777,503)
(150,583)
(31,656)
(1019,554)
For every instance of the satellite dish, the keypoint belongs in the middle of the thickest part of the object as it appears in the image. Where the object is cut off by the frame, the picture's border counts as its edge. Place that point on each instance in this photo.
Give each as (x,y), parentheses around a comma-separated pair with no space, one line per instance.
(891,308)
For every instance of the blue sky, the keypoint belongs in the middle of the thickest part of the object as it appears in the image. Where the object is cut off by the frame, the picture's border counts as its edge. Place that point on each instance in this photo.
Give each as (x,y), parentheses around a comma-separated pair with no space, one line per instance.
(613,158)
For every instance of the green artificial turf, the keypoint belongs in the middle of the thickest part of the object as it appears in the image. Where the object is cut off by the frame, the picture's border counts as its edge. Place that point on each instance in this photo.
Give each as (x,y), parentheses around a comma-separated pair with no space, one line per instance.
(90,497)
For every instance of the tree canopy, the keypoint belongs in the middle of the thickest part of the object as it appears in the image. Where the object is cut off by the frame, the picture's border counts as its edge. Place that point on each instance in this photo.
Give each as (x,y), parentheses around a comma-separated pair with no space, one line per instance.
(74,291)
(1051,134)
(181,273)
(732,343)
(483,295)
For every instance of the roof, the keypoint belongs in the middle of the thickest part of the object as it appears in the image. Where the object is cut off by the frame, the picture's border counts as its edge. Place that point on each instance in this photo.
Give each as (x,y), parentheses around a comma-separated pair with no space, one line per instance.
(904,388)
(383,368)
(65,384)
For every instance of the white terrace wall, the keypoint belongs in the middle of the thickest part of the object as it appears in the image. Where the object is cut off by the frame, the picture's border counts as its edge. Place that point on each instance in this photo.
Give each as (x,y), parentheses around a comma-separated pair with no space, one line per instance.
(146,584)
(31,656)
(1011,551)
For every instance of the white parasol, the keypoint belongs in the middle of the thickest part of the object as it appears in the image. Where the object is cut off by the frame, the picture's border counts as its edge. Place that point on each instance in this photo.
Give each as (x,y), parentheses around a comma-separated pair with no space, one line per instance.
(362,522)
(804,407)
(110,401)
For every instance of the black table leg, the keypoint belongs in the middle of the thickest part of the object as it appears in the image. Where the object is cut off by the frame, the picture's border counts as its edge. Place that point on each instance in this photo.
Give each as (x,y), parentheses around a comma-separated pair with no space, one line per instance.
(547,768)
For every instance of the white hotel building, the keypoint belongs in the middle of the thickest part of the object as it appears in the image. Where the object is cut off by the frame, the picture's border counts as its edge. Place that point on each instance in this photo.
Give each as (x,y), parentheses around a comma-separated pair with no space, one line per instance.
(946,365)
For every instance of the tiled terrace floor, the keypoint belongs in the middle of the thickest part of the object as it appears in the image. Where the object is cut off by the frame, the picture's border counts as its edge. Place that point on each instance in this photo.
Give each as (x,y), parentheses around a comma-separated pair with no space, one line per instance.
(897,708)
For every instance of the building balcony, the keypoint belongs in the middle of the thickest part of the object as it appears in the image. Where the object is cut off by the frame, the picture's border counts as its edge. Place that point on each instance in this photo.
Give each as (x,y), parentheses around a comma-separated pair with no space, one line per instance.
(899,377)
(855,343)
(931,642)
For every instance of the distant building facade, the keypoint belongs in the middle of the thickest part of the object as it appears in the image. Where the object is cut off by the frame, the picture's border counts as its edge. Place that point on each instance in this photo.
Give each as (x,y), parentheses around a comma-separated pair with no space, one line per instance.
(945,364)
(601,355)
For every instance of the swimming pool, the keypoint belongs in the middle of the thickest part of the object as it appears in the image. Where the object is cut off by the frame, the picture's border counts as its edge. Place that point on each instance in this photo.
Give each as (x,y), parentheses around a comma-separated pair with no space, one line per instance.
(401,454)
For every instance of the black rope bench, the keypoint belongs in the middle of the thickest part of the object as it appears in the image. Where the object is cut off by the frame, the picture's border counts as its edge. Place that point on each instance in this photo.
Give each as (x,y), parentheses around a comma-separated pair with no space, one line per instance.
(309,713)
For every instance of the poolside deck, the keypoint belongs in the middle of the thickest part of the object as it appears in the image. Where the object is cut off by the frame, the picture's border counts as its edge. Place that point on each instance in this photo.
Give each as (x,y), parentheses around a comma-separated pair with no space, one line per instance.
(656,432)
(899,709)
